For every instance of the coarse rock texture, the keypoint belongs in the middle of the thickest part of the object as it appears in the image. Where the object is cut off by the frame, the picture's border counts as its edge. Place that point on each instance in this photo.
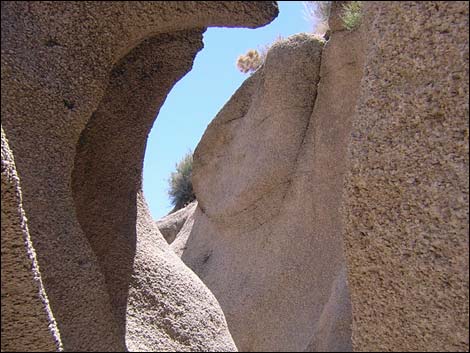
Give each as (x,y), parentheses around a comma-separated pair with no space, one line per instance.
(171,224)
(406,200)
(103,192)
(333,331)
(341,72)
(27,321)
(169,309)
(272,252)
(335,21)
(81,82)
(179,244)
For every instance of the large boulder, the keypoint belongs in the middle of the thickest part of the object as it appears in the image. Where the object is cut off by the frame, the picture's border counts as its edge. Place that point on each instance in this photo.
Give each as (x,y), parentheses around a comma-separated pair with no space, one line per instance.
(266,236)
(81,82)
(406,203)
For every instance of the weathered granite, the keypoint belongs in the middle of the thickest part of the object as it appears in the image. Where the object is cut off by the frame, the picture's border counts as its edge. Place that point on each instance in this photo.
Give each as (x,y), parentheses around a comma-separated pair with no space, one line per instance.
(406,205)
(67,71)
(27,320)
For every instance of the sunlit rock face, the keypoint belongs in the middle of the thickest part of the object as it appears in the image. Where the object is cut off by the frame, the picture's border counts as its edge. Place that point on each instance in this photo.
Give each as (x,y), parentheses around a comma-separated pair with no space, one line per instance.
(406,204)
(358,146)
(266,235)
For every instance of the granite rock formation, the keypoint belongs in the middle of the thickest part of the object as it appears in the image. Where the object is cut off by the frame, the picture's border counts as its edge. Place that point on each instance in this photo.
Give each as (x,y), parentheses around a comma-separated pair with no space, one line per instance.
(406,203)
(272,252)
(366,142)
(339,222)
(179,244)
(27,321)
(171,224)
(81,82)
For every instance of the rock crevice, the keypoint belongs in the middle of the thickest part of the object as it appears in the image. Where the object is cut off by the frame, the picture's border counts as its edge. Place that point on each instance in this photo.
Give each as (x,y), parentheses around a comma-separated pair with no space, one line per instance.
(264,238)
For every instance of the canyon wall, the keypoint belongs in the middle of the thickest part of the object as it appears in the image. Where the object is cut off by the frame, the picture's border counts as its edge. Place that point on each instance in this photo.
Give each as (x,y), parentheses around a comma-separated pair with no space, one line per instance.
(81,85)
(363,142)
(266,235)
(406,192)
(332,188)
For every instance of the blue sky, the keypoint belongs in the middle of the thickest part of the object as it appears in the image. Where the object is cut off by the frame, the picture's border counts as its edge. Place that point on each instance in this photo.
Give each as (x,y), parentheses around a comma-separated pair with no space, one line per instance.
(199,96)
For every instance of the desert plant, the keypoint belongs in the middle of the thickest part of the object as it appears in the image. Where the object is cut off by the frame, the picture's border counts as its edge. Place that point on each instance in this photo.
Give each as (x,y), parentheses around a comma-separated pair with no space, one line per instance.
(181,188)
(352,15)
(318,12)
(254,58)
(250,61)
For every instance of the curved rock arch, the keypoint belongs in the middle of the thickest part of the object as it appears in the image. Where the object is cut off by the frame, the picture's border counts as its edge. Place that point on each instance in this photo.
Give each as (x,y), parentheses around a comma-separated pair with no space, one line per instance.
(107,176)
(60,64)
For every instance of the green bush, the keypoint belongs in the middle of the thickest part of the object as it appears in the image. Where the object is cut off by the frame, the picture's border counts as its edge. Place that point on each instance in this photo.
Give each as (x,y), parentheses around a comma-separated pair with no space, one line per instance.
(352,15)
(181,188)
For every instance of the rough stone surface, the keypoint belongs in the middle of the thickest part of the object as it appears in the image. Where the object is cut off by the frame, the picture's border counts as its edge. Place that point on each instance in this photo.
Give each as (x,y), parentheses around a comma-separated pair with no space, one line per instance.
(407,191)
(333,331)
(169,309)
(272,252)
(81,82)
(27,321)
(335,22)
(179,244)
(102,191)
(171,224)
